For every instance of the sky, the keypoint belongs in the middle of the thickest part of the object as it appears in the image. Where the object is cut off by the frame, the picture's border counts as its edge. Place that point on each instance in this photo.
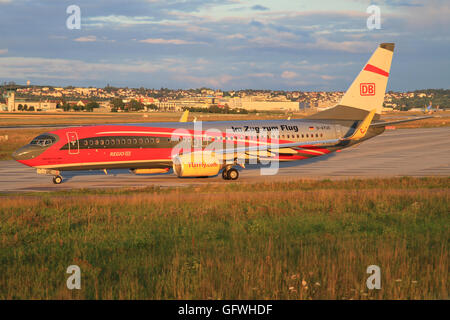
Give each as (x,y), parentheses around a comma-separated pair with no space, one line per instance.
(222,44)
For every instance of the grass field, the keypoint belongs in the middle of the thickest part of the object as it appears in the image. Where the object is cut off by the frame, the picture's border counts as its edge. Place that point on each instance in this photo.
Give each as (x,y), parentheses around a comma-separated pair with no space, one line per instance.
(297,240)
(82,118)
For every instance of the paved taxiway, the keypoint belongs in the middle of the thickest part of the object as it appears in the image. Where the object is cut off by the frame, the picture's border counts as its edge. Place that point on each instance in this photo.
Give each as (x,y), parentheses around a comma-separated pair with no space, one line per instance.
(405,152)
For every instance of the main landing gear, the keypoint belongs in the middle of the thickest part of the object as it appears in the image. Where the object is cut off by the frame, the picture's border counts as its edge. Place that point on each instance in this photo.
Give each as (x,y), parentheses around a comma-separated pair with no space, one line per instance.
(230,174)
(57,179)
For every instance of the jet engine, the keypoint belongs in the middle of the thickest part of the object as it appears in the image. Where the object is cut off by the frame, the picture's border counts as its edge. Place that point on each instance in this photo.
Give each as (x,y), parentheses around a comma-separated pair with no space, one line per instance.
(196,164)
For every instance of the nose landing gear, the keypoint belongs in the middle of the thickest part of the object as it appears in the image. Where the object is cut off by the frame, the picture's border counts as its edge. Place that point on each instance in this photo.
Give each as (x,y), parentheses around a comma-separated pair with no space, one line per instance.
(57,179)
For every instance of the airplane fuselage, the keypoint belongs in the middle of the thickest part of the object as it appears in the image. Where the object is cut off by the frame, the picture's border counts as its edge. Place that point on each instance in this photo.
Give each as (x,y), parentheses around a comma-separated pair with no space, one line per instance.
(150,145)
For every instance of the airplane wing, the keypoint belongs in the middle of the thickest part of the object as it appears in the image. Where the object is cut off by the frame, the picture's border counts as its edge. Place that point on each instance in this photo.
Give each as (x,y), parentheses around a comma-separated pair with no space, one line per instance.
(358,134)
(383,124)
(276,147)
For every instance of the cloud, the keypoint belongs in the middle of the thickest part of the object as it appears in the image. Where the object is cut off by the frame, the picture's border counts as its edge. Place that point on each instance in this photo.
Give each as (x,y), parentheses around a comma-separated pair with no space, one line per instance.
(93,39)
(121,20)
(289,75)
(214,82)
(45,68)
(86,39)
(235,36)
(401,3)
(169,41)
(259,8)
(3,51)
(346,46)
(261,75)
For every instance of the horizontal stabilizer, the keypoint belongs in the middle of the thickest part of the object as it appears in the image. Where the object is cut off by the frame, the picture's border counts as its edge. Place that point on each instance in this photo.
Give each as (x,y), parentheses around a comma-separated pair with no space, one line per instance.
(384,124)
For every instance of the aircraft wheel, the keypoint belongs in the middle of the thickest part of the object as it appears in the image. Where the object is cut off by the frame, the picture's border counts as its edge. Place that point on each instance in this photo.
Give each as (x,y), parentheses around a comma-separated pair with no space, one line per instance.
(57,179)
(225,174)
(232,174)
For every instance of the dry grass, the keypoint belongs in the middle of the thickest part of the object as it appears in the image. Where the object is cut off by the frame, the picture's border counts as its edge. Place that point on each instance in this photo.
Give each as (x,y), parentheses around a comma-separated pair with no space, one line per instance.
(296,240)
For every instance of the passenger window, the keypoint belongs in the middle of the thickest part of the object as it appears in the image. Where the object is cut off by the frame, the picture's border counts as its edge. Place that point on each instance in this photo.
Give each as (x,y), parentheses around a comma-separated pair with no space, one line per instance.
(123,141)
(147,141)
(157,140)
(91,142)
(85,142)
(129,141)
(113,141)
(107,142)
(96,142)
(102,142)
(141,141)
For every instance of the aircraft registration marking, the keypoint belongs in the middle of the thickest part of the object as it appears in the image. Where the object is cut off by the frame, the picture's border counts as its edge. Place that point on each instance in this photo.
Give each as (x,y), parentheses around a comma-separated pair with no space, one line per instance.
(120,154)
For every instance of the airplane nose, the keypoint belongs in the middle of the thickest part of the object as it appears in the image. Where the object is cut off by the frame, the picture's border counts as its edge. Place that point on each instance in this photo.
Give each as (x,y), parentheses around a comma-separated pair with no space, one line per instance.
(15,155)
(26,153)
(21,154)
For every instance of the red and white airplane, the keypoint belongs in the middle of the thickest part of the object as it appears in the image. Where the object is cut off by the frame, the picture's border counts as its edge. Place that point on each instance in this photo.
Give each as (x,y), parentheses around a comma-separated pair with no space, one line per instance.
(196,149)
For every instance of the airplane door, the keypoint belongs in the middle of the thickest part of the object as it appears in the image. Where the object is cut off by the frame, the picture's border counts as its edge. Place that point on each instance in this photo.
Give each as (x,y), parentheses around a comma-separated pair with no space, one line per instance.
(72,139)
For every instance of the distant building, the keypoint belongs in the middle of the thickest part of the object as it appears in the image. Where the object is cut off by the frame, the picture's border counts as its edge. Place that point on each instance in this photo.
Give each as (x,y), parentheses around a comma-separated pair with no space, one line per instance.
(271,105)
(260,104)
(82,103)
(178,105)
(11,101)
(37,105)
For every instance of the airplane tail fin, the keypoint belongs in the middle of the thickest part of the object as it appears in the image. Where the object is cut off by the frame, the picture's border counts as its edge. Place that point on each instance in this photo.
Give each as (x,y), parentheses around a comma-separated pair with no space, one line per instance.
(184,116)
(367,91)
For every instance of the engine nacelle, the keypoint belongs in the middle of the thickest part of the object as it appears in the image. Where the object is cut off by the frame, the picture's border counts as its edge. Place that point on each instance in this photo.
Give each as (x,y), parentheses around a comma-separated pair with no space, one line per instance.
(196,165)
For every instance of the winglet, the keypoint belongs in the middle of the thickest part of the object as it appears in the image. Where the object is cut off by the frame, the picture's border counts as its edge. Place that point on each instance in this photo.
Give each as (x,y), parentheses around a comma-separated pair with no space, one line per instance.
(361,130)
(184,116)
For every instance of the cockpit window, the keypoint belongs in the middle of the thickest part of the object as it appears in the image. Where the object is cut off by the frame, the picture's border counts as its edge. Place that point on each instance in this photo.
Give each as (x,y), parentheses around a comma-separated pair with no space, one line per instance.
(43,140)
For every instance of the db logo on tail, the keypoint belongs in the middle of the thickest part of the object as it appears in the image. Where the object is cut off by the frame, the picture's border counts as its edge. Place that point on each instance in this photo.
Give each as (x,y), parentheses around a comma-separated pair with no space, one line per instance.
(367,89)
